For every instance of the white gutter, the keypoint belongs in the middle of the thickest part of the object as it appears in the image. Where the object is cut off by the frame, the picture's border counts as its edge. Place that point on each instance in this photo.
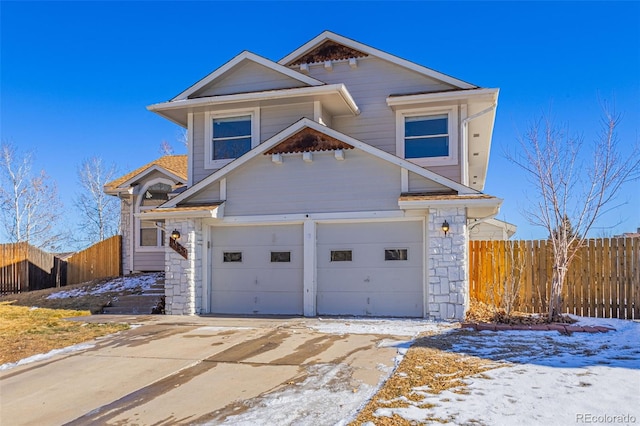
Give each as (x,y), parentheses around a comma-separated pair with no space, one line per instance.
(465,140)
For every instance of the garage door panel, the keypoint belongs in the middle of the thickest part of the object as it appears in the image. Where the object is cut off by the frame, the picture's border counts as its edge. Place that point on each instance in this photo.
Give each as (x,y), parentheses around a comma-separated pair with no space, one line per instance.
(256,285)
(369,285)
(377,280)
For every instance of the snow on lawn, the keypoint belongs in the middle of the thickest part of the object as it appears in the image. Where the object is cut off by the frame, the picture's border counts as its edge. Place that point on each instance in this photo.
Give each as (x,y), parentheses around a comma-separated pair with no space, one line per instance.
(50,354)
(547,378)
(120,284)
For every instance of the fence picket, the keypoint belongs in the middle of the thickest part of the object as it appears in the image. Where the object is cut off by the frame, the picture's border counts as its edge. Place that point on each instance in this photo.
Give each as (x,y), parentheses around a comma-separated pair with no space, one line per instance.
(602,281)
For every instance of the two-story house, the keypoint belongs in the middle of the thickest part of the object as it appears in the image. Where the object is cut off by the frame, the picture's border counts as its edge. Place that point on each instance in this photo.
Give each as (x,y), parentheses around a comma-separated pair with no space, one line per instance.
(340,180)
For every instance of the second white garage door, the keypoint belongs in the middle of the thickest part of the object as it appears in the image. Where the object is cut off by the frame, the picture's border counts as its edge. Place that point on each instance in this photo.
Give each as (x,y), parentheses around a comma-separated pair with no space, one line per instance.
(370,269)
(257,270)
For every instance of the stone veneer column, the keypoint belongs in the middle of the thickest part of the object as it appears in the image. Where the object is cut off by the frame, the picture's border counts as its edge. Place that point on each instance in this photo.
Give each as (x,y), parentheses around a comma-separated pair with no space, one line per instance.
(183,277)
(125,231)
(448,297)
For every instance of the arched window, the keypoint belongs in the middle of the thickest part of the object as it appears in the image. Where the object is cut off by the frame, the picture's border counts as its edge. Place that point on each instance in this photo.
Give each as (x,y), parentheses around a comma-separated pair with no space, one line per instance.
(150,233)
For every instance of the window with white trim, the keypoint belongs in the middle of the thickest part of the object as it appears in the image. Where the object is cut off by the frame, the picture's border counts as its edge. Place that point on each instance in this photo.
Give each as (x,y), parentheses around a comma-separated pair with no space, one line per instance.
(427,136)
(230,135)
(151,234)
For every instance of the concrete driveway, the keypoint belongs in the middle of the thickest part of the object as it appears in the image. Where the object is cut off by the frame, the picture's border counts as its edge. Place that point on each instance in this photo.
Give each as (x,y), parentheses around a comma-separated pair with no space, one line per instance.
(199,370)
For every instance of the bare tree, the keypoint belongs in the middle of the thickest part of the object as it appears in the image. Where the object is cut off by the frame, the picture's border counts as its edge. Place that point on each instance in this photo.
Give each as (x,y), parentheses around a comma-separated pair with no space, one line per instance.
(29,203)
(165,148)
(569,189)
(99,212)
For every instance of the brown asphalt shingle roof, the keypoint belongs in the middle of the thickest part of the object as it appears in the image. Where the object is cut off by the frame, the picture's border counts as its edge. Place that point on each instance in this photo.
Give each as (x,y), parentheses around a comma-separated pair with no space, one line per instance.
(328,51)
(437,196)
(176,164)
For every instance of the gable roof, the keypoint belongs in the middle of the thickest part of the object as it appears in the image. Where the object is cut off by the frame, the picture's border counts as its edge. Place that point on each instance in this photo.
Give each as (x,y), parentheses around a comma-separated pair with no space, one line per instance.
(311,51)
(172,165)
(237,61)
(304,124)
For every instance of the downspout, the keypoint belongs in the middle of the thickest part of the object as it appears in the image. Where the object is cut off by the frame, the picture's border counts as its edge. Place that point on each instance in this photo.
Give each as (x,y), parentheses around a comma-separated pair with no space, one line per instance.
(465,141)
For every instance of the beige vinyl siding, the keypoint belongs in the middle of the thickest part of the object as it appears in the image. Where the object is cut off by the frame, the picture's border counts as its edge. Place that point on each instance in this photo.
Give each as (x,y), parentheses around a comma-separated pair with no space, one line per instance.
(248,77)
(370,84)
(361,182)
(450,172)
(277,118)
(148,261)
(209,193)
(199,172)
(420,184)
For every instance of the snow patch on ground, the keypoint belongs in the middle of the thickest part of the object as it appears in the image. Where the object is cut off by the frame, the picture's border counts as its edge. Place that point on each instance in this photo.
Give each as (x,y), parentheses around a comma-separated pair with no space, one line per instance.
(393,327)
(325,397)
(50,354)
(547,378)
(132,283)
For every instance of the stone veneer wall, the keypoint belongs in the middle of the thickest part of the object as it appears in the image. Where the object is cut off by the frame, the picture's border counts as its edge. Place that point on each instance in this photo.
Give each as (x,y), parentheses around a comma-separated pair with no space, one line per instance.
(125,231)
(183,277)
(448,288)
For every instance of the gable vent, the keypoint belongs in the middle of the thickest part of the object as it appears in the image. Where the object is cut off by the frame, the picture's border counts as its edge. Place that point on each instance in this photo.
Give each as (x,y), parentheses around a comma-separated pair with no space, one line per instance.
(328,51)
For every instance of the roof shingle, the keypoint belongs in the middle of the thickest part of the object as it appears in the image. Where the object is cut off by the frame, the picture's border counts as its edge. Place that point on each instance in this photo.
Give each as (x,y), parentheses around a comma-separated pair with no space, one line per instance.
(176,164)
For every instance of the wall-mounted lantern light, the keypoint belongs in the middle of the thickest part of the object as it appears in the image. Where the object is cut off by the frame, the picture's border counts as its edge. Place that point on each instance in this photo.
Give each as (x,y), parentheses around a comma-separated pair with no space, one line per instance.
(445,227)
(175,234)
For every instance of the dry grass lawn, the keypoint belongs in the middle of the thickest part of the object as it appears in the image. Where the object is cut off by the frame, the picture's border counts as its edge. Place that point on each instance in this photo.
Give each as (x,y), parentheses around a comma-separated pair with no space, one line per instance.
(26,331)
(424,365)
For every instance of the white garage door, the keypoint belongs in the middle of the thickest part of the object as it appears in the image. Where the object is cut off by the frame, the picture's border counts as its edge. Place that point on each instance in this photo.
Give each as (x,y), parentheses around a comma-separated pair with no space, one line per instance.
(370,269)
(257,270)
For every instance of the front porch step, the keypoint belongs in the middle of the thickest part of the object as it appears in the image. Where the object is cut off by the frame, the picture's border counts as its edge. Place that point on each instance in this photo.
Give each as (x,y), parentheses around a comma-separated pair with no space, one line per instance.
(137,304)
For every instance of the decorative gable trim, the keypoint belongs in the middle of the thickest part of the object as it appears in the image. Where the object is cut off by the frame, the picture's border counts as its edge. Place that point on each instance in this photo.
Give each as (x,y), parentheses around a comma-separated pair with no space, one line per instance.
(308,140)
(300,53)
(247,56)
(348,140)
(329,50)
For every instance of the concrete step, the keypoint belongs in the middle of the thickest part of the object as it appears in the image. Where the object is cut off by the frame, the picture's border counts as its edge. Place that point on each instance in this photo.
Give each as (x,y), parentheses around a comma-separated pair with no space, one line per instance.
(135,304)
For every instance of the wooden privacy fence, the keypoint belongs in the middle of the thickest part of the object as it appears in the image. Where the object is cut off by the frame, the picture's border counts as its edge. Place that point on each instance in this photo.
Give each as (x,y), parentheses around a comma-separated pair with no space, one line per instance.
(101,260)
(603,280)
(25,268)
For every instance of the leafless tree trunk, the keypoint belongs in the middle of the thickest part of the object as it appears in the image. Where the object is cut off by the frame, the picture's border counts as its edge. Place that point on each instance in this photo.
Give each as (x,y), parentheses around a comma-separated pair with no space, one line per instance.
(572,182)
(99,212)
(30,205)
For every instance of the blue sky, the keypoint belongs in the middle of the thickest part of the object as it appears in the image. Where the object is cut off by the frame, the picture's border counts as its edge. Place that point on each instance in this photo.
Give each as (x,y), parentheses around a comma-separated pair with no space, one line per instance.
(76,77)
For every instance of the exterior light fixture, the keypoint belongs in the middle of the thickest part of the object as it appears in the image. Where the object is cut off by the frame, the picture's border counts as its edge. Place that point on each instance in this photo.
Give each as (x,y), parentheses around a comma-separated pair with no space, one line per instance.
(445,227)
(175,234)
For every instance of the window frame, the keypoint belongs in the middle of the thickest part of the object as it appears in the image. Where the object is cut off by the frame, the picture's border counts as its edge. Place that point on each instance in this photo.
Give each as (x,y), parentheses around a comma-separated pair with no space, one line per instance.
(254,113)
(452,127)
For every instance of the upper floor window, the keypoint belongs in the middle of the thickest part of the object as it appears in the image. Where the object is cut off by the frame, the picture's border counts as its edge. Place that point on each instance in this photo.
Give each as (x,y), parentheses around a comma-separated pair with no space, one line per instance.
(230,135)
(427,137)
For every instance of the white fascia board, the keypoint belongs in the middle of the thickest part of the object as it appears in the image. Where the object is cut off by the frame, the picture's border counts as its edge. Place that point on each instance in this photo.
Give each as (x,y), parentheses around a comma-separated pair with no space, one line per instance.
(243,56)
(334,217)
(155,168)
(215,213)
(466,202)
(327,89)
(402,100)
(328,35)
